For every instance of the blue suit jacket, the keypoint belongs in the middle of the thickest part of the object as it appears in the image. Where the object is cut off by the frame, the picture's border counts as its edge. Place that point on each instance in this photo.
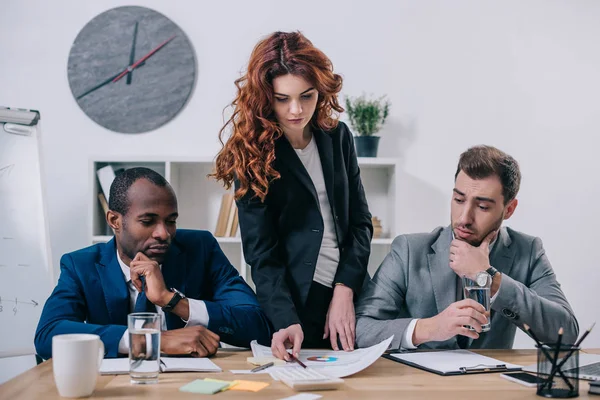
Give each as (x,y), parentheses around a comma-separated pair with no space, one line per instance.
(91,295)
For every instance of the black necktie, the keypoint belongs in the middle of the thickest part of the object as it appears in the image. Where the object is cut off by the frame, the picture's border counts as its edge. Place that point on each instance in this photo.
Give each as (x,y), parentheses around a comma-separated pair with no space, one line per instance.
(142,304)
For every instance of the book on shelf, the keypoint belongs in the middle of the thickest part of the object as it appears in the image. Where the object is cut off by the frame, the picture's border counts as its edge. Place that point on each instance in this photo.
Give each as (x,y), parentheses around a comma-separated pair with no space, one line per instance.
(106,176)
(231,218)
(222,221)
(103,202)
(234,226)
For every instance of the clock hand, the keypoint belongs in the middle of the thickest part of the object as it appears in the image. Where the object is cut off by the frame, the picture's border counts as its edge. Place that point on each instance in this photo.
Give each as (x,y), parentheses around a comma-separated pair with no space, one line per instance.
(141,60)
(98,86)
(101,84)
(132,53)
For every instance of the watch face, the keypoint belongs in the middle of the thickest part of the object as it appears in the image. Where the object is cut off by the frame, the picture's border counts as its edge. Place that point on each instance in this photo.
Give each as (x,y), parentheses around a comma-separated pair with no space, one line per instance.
(482,278)
(131,69)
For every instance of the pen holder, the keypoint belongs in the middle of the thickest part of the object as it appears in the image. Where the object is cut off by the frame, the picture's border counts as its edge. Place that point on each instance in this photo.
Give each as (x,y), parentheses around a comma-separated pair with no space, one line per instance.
(558,374)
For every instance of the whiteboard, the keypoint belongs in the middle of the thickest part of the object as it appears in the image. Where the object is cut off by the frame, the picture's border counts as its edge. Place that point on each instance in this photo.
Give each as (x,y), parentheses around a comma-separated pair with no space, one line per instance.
(26,277)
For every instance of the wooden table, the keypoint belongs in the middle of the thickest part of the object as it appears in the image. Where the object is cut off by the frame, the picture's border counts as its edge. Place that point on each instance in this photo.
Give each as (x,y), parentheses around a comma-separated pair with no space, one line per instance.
(385,379)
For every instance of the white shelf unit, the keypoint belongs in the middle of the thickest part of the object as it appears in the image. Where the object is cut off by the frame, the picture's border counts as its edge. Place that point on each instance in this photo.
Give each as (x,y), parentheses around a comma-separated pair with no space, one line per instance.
(199,200)
(380,180)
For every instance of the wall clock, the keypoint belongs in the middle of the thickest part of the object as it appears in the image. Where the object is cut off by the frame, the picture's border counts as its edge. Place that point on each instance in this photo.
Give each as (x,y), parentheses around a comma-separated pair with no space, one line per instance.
(131,69)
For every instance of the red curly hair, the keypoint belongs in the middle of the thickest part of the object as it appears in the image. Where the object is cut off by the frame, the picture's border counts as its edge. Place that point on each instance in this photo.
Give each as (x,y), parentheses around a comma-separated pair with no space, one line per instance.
(249,153)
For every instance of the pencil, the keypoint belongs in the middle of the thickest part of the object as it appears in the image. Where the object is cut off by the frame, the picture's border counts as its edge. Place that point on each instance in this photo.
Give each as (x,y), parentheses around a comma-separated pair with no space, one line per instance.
(548,356)
(555,358)
(575,346)
(298,361)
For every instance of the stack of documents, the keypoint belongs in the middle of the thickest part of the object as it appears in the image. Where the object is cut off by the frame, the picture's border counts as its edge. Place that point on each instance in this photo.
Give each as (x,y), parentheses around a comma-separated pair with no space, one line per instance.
(117,366)
(336,364)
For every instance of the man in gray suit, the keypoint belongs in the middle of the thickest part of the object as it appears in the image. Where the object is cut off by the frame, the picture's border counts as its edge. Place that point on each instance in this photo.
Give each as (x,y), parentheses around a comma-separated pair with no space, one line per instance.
(416,293)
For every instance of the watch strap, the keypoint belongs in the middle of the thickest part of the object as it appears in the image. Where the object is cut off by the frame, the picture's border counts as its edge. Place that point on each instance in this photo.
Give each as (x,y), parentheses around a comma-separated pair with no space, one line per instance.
(177,296)
(491,271)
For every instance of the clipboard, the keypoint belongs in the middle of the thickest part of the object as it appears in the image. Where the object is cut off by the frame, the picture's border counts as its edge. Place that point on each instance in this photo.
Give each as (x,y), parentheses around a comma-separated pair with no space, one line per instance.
(452,362)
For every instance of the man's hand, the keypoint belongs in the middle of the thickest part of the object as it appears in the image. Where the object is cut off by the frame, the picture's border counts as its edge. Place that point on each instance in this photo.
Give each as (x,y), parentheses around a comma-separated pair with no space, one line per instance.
(196,341)
(156,290)
(467,260)
(283,339)
(450,323)
(341,319)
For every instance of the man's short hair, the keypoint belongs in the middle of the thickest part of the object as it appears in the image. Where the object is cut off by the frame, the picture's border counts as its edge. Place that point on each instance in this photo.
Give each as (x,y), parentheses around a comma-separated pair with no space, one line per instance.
(118,200)
(480,162)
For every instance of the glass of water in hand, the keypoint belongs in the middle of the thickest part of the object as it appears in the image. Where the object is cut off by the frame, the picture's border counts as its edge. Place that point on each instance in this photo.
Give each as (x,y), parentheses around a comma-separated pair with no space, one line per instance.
(481,294)
(144,347)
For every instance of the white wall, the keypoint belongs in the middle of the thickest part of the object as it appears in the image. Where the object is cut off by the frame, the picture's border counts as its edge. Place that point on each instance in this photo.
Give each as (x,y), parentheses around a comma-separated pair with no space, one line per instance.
(523,76)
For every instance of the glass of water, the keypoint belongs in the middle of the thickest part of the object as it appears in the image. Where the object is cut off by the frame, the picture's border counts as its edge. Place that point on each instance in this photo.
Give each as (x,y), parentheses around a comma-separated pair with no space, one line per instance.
(144,347)
(481,294)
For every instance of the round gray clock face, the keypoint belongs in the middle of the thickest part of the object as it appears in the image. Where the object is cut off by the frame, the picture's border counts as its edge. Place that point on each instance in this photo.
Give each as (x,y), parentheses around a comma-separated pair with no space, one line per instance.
(131,69)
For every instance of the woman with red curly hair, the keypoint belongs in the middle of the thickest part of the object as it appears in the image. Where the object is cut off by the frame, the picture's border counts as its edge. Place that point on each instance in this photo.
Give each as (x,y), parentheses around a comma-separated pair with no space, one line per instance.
(304,219)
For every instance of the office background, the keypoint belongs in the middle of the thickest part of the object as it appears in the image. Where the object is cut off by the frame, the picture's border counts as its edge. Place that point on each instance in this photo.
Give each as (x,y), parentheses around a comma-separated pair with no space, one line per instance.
(520,75)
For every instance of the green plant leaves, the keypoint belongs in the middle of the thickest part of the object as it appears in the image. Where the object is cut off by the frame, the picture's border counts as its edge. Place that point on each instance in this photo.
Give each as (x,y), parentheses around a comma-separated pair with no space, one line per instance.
(367,116)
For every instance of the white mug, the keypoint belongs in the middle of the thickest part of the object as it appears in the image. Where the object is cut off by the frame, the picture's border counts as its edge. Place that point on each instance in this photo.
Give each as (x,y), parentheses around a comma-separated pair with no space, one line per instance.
(76,360)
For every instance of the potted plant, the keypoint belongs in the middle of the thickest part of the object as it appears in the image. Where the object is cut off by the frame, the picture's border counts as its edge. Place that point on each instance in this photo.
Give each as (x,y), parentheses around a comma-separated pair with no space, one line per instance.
(366,118)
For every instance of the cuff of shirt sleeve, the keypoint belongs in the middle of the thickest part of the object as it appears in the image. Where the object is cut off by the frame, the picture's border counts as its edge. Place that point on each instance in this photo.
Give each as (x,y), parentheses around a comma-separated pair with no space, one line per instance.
(198,313)
(407,342)
(124,343)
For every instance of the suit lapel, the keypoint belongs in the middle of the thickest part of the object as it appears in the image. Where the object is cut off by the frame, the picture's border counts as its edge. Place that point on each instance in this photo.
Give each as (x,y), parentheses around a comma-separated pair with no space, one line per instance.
(288,157)
(113,283)
(325,147)
(443,278)
(174,272)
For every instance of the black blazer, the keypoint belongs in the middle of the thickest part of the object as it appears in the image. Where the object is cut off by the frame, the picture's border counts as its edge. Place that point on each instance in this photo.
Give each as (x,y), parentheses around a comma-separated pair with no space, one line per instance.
(282,236)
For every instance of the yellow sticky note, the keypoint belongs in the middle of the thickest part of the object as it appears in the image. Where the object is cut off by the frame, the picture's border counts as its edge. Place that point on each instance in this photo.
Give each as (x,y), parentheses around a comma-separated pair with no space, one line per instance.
(250,386)
(230,384)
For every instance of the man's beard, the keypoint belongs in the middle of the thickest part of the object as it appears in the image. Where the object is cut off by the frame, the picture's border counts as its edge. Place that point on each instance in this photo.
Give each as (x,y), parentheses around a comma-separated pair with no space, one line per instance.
(476,243)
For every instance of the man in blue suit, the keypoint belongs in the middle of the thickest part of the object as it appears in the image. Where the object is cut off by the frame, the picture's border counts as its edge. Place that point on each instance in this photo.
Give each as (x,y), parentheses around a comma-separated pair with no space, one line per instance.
(151,266)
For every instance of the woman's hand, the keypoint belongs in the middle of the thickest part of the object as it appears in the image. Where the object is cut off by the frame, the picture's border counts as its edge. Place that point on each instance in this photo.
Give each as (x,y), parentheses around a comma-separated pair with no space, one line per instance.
(341,319)
(290,337)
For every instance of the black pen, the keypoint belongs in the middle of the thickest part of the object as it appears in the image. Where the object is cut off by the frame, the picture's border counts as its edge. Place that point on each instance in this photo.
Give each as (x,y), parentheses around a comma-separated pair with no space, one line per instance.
(261,367)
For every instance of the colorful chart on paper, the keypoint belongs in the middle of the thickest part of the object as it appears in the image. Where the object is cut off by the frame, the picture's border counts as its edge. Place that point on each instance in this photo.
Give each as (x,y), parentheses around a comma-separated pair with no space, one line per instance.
(322,359)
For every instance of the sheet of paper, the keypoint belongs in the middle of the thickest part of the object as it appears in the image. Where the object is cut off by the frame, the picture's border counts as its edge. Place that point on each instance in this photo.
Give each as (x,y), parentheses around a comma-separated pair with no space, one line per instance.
(203,387)
(174,364)
(337,364)
(250,386)
(114,366)
(303,396)
(450,360)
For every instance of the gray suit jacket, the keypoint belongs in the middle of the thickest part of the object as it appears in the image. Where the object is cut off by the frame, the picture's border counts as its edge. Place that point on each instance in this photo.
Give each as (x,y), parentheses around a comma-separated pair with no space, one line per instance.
(415,281)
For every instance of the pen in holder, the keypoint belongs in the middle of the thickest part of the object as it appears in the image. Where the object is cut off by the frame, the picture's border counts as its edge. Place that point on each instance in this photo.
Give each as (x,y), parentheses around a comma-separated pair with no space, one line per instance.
(558,371)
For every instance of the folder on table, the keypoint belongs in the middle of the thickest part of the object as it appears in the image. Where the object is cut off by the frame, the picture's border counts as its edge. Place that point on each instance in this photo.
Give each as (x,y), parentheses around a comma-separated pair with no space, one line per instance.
(452,362)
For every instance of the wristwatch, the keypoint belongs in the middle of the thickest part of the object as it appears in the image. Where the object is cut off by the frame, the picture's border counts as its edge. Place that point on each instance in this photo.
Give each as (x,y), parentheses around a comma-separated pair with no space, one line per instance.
(482,276)
(177,296)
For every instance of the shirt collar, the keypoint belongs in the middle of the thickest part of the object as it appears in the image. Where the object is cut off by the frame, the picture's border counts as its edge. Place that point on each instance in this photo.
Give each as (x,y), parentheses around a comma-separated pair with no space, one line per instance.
(124,268)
